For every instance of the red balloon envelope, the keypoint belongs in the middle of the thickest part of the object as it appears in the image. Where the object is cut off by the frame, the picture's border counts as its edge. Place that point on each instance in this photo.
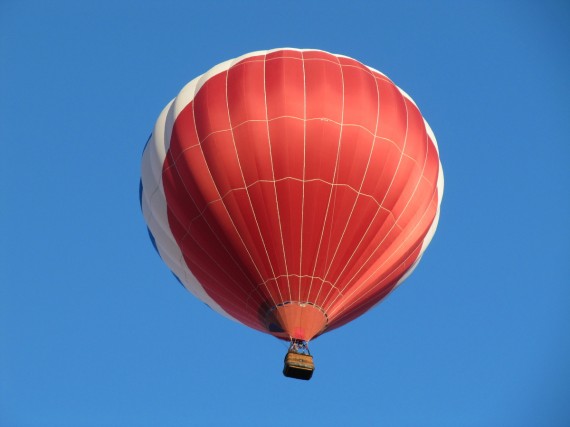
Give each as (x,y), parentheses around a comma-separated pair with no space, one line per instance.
(291,190)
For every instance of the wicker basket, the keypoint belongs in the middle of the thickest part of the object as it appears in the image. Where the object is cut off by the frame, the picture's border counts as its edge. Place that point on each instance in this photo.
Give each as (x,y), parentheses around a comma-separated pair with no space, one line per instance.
(298,366)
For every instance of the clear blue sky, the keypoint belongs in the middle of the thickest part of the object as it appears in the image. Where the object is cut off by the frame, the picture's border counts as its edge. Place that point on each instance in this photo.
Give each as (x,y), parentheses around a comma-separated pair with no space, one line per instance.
(94,330)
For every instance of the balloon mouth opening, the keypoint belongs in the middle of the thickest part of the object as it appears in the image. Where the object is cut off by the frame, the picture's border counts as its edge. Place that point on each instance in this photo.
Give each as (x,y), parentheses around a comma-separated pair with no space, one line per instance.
(301,320)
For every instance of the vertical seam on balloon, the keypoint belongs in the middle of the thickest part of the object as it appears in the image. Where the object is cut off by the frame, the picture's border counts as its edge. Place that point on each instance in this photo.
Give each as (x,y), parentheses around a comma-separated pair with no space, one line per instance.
(332,186)
(182,259)
(388,274)
(304,174)
(401,153)
(178,267)
(223,204)
(399,216)
(245,184)
(189,234)
(217,296)
(385,195)
(357,194)
(274,182)
(420,242)
(352,291)
(354,305)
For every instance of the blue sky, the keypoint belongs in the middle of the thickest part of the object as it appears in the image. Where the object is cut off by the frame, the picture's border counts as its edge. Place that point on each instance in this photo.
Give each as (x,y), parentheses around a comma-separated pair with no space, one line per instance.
(94,330)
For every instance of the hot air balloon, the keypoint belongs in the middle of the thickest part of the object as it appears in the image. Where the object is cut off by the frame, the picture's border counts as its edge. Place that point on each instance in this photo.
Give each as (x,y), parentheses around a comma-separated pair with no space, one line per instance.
(291,190)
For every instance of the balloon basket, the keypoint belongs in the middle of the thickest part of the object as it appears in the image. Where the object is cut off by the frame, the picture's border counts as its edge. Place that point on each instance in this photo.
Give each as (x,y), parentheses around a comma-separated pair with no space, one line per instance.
(298,362)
